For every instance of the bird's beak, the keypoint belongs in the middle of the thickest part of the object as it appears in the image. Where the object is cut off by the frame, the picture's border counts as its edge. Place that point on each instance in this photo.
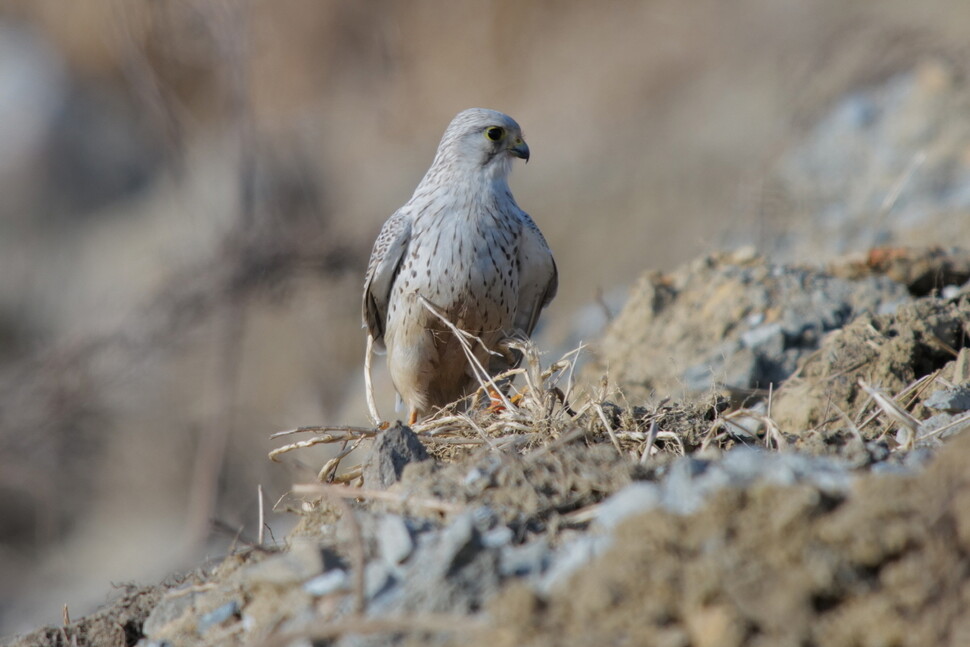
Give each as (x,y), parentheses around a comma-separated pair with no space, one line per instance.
(519,148)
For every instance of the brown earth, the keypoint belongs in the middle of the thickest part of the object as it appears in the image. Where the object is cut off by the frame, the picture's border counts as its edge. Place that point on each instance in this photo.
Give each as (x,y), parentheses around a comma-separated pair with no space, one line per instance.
(888,565)
(889,351)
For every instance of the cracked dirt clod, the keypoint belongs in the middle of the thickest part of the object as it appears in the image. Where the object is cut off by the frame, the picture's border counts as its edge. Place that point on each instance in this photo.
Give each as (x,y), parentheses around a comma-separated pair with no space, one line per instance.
(887,351)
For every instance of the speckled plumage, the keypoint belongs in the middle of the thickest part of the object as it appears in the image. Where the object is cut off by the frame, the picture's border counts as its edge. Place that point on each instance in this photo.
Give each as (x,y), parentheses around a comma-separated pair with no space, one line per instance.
(463,244)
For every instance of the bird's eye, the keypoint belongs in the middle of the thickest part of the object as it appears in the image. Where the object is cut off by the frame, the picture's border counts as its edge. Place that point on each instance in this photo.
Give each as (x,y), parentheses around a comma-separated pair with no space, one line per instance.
(494,133)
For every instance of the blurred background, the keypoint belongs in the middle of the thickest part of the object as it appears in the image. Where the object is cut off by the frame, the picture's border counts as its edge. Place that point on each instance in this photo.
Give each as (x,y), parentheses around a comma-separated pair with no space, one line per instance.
(189,190)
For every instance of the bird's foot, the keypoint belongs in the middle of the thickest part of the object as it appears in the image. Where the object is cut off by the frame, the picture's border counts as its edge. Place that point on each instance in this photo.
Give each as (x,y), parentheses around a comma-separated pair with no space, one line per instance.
(497,403)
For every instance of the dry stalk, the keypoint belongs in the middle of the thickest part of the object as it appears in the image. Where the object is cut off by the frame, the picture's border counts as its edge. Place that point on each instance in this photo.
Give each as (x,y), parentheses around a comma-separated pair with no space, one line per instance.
(451,440)
(609,428)
(188,590)
(348,477)
(329,469)
(366,431)
(582,516)
(852,426)
(897,413)
(919,386)
(565,439)
(328,435)
(677,440)
(651,439)
(428,623)
(343,492)
(262,517)
(465,339)
(527,416)
(773,433)
(375,416)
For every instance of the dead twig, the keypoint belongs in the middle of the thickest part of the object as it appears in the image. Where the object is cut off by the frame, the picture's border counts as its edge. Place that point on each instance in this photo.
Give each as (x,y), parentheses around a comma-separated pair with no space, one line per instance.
(343,492)
(465,339)
(375,415)
(910,425)
(430,623)
(262,518)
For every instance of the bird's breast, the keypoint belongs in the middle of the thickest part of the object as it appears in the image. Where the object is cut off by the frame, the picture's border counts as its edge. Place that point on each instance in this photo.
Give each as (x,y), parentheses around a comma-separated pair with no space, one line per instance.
(467,267)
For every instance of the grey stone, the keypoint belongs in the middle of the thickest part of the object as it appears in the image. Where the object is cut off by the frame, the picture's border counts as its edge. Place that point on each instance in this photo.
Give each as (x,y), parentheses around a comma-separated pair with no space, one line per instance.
(482,476)
(451,571)
(746,465)
(458,542)
(301,562)
(918,458)
(768,337)
(327,583)
(394,539)
(960,423)
(570,558)
(749,427)
(951,291)
(893,469)
(498,537)
(950,400)
(392,451)
(743,465)
(531,559)
(729,363)
(379,579)
(484,518)
(216,617)
(633,499)
(690,481)
(827,474)
(681,490)
(878,451)
(169,609)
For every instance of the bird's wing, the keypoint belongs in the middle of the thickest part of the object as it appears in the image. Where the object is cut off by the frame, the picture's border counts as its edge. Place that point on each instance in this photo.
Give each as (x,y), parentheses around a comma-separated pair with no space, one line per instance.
(385,262)
(538,276)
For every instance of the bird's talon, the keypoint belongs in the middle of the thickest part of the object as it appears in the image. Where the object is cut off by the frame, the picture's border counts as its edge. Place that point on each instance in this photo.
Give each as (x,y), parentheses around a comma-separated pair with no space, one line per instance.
(497,404)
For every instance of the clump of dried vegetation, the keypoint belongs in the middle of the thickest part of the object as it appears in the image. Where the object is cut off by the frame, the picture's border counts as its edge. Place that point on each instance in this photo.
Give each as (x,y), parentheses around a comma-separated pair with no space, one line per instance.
(547,409)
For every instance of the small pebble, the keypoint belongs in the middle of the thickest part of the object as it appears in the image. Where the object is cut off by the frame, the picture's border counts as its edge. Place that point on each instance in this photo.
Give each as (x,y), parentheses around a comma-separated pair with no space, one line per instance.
(218,616)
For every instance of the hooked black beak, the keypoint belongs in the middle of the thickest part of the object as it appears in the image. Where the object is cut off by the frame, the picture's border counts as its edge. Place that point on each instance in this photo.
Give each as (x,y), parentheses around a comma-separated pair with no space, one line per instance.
(519,148)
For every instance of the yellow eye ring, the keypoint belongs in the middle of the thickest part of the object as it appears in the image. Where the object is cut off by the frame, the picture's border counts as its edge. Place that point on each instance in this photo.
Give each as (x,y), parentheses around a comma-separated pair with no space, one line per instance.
(494,133)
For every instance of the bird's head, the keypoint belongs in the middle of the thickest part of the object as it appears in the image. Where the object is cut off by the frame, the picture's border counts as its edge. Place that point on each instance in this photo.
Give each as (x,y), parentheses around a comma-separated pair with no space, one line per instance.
(482,140)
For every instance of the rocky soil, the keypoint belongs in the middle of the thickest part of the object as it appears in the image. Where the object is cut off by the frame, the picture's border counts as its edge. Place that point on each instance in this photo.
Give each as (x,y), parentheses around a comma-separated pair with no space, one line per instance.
(836,511)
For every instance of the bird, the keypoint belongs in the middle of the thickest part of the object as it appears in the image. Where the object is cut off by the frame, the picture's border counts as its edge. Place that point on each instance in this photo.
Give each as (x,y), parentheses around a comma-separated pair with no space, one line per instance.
(463,246)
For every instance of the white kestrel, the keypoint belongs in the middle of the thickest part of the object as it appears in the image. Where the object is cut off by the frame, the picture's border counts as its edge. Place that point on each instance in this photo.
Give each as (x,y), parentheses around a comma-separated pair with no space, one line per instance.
(464,245)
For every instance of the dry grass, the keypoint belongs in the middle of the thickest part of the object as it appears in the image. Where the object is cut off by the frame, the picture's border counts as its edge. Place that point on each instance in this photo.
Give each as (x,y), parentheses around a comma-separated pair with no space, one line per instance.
(548,410)
(545,411)
(539,417)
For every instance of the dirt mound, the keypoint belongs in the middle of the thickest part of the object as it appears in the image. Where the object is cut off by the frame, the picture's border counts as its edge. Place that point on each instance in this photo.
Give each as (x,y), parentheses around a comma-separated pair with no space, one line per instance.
(564,517)
(731,321)
(773,566)
(891,352)
(120,623)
